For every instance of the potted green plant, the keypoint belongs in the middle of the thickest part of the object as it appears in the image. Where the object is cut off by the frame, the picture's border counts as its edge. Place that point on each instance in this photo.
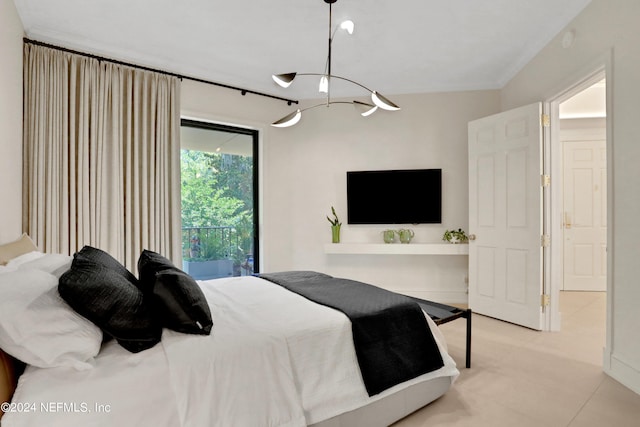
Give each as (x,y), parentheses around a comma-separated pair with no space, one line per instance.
(335,226)
(455,236)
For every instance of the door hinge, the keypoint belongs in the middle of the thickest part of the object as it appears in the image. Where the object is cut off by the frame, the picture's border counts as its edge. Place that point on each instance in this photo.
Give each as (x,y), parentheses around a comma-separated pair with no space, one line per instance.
(545,120)
(545,180)
(545,300)
(545,240)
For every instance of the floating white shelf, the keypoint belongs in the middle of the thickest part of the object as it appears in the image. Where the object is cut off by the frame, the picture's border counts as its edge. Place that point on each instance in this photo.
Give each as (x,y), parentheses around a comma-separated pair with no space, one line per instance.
(397,248)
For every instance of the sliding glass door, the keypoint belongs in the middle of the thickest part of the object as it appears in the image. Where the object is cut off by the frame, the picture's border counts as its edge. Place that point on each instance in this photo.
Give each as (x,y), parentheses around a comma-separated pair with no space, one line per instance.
(219,170)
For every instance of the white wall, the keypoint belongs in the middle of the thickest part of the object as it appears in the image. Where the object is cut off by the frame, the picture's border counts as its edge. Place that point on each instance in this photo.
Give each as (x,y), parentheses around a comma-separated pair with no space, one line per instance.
(11,33)
(605,29)
(304,174)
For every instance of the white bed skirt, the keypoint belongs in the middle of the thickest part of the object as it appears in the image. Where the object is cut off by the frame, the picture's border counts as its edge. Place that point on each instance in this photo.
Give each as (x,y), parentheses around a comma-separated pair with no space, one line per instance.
(390,409)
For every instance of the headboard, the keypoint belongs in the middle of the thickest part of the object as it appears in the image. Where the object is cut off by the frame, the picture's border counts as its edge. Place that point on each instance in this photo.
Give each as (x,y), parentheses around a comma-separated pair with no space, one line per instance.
(10,369)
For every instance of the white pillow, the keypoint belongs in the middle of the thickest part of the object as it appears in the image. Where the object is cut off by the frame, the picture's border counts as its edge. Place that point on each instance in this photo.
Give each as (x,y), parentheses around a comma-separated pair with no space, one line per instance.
(26,257)
(55,264)
(19,260)
(39,328)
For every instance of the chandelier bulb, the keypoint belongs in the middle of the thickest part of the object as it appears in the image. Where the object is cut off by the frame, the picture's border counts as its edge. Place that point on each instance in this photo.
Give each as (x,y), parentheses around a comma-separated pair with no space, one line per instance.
(365,109)
(284,80)
(383,102)
(348,26)
(369,112)
(324,84)
(288,120)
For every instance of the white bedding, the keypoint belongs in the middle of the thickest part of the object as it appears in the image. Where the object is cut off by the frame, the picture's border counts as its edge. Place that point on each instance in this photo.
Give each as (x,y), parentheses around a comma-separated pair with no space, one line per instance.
(273,359)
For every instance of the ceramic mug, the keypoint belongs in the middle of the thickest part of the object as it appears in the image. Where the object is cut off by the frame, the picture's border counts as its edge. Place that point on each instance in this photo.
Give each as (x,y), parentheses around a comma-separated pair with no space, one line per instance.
(389,236)
(406,235)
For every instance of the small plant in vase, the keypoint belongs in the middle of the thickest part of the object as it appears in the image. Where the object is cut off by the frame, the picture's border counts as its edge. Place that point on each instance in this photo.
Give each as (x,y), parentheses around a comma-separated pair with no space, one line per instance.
(455,236)
(335,226)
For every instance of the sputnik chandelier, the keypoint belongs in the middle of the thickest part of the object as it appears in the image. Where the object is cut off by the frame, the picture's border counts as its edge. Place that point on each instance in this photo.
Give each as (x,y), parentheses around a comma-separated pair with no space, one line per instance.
(367,109)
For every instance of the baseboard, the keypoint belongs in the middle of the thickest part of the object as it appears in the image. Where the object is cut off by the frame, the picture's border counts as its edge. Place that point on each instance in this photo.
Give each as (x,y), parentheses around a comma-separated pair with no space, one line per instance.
(621,371)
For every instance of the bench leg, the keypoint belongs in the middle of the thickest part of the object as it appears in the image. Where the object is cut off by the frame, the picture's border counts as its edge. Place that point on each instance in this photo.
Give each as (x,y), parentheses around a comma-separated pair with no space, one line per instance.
(468,316)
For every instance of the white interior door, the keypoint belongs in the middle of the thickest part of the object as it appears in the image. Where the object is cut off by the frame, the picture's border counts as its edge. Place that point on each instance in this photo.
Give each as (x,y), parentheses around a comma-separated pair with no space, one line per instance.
(505,216)
(585,215)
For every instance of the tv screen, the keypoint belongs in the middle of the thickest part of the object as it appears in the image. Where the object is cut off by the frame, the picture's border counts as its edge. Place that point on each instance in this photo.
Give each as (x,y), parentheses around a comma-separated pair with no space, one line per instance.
(411,196)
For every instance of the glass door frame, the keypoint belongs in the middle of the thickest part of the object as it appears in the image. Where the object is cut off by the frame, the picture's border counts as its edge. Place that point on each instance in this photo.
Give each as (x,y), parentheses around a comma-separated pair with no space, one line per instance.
(255,137)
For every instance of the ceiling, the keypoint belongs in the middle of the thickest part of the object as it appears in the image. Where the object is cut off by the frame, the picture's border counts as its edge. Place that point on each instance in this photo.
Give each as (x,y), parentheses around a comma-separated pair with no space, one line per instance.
(589,104)
(402,46)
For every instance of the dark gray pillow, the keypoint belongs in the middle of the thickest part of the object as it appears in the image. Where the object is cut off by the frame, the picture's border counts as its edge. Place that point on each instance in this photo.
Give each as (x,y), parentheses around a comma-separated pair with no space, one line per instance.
(180,304)
(104,296)
(103,258)
(178,301)
(150,263)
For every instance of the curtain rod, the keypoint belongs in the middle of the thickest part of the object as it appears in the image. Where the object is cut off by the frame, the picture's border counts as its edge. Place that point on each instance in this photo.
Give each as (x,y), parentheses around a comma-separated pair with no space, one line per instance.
(168,73)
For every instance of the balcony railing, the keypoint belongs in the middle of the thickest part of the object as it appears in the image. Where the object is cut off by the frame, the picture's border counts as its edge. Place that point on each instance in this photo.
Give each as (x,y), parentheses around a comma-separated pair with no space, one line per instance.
(209,243)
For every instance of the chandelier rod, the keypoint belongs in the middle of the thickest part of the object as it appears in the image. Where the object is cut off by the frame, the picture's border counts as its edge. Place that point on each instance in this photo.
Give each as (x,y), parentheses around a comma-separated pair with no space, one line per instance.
(338,77)
(329,56)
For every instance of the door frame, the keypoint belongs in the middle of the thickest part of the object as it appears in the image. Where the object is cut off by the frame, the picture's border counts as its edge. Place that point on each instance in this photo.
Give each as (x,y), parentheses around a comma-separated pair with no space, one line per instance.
(599,69)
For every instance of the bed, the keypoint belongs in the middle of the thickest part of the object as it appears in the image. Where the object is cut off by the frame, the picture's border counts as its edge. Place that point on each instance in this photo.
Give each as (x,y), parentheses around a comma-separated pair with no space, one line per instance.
(272,358)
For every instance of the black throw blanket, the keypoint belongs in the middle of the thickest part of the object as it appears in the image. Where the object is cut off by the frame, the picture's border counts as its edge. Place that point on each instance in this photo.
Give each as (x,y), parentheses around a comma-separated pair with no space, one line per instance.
(391,336)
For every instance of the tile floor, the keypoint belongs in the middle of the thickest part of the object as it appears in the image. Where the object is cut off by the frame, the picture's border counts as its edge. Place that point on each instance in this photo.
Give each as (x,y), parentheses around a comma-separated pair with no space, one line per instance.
(522,378)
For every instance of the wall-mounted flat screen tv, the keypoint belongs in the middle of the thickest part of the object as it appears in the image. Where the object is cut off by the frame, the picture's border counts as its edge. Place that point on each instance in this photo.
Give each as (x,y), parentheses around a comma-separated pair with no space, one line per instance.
(412,196)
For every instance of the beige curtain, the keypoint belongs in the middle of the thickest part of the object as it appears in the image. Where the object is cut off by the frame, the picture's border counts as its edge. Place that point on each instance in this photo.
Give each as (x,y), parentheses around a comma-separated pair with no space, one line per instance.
(101,156)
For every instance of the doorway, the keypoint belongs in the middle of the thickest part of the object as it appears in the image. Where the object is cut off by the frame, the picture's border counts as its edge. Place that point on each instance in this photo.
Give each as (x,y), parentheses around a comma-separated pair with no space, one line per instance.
(583,129)
(579,208)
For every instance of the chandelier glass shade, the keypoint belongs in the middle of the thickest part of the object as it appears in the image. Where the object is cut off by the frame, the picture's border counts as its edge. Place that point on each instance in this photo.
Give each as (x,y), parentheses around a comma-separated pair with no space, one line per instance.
(285,80)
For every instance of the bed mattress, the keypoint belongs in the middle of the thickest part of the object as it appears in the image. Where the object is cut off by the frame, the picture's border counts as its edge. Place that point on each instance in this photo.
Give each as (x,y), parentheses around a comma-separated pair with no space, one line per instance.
(273,359)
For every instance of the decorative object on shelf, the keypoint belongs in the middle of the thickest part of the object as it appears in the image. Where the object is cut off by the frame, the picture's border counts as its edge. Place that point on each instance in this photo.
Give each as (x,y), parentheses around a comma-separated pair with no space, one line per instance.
(405,235)
(285,80)
(335,226)
(389,236)
(455,236)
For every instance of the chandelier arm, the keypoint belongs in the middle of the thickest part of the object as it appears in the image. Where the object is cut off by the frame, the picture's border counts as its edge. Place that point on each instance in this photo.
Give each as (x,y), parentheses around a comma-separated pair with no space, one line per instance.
(293,118)
(354,82)
(324,104)
(337,77)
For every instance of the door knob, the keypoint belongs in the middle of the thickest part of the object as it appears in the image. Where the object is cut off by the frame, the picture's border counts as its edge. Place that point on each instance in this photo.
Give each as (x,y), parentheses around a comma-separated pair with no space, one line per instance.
(472,237)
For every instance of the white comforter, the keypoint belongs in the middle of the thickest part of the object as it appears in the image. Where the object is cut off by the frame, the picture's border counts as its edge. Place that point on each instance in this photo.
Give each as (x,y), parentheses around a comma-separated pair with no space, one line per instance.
(273,359)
